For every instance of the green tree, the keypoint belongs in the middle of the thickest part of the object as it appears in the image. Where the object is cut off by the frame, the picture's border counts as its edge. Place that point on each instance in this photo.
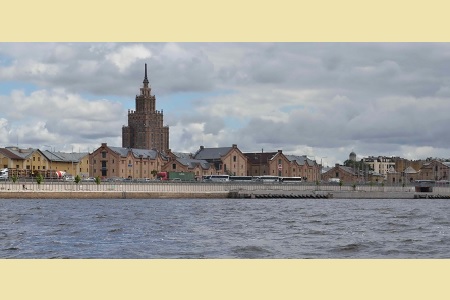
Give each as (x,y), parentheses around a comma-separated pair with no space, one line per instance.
(14,178)
(97,180)
(77,179)
(39,178)
(154,172)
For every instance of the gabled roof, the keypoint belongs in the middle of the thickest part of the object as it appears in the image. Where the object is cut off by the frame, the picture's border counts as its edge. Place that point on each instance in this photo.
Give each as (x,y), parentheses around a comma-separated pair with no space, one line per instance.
(255,158)
(410,170)
(212,153)
(182,154)
(18,153)
(192,163)
(301,160)
(123,152)
(64,156)
(8,153)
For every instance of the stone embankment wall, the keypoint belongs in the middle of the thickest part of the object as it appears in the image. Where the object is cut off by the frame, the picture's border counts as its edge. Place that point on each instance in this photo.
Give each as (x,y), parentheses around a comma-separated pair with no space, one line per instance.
(158,190)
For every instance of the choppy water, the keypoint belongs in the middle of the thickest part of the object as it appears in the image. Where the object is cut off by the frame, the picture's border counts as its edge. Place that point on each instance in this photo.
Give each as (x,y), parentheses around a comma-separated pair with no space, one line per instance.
(227,228)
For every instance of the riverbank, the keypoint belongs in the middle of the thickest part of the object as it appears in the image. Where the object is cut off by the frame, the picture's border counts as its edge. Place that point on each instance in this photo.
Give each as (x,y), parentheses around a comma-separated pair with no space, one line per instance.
(215,195)
(185,190)
(110,195)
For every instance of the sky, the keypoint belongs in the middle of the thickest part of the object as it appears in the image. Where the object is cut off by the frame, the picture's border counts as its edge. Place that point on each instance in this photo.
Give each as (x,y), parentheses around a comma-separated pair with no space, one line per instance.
(323,100)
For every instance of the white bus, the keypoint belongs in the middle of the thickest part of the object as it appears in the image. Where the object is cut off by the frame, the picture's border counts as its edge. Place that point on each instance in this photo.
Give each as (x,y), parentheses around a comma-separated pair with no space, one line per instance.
(267,179)
(217,178)
(242,178)
(290,179)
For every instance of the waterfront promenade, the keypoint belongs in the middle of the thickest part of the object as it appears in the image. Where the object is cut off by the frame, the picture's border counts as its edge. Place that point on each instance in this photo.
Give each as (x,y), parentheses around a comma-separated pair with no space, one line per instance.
(158,190)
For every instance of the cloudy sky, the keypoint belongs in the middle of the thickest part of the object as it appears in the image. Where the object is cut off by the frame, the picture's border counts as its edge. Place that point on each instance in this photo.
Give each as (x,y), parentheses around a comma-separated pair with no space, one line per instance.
(323,100)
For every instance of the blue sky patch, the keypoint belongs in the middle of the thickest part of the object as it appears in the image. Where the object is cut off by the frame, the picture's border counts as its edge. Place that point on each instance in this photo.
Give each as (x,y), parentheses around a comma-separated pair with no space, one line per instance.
(6,87)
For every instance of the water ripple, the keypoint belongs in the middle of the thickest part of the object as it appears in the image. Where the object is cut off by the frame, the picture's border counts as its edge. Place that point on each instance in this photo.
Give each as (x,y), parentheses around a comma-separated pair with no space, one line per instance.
(224,228)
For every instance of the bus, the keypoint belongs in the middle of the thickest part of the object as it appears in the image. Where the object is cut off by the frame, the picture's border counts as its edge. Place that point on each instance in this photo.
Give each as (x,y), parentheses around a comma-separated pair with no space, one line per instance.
(217,178)
(267,179)
(290,179)
(242,178)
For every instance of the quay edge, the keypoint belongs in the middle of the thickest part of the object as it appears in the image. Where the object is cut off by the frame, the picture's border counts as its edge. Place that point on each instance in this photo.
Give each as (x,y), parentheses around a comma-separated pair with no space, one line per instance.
(216,195)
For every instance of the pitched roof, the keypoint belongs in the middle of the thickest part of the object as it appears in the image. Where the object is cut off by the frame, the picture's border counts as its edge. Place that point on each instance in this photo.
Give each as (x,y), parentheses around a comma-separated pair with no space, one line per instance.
(192,163)
(18,153)
(182,154)
(212,153)
(255,158)
(64,156)
(146,153)
(410,170)
(8,153)
(301,160)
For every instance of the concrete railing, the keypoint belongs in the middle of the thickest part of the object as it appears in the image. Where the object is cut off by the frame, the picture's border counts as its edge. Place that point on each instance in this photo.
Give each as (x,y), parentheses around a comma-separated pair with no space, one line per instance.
(198,187)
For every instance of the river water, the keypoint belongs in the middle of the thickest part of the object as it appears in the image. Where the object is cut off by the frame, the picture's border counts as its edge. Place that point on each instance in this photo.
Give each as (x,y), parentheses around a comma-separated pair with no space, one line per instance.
(225,228)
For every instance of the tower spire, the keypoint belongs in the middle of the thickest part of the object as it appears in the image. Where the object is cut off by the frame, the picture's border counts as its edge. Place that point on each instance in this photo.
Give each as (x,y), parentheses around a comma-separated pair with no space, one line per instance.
(145,78)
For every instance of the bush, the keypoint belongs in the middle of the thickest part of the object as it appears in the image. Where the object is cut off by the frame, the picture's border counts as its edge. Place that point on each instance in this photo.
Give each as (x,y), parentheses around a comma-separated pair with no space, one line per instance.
(39,178)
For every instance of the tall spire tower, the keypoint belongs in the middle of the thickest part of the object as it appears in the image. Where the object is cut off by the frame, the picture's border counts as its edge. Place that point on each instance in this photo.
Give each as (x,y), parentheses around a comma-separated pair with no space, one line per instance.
(145,78)
(145,128)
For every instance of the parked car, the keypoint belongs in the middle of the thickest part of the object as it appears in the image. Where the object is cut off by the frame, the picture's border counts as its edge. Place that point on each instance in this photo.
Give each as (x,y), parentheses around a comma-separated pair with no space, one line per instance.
(69,178)
(89,179)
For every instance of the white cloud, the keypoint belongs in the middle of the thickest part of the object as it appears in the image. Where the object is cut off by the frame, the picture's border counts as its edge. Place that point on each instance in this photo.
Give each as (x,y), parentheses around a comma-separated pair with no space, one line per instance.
(318,99)
(127,55)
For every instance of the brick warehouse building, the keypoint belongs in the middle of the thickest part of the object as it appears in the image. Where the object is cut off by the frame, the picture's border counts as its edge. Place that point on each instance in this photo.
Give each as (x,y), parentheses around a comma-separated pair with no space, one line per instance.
(145,128)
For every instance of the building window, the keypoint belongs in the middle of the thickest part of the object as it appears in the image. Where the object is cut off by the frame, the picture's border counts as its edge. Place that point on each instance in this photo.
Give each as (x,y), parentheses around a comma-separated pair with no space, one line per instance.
(34,158)
(39,158)
(234,158)
(103,154)
(174,166)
